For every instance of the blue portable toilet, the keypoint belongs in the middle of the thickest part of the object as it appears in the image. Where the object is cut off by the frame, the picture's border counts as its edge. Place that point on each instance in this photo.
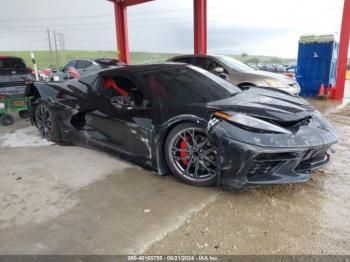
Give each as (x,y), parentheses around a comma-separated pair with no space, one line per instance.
(317,63)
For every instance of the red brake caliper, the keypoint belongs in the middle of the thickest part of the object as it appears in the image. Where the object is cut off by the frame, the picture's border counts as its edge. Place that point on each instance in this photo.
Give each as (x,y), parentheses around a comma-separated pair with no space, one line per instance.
(183,145)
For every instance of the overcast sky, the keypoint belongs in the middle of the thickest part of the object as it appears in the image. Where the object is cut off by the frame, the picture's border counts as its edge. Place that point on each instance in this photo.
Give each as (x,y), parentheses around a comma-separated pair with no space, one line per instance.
(259,27)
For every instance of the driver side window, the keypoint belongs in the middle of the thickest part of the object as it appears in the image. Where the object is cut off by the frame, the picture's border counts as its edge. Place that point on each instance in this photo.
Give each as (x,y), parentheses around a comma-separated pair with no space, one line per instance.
(121,87)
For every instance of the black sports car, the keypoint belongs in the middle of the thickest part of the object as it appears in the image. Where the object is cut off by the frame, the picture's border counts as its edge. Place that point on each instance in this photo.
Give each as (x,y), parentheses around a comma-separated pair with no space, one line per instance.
(180,119)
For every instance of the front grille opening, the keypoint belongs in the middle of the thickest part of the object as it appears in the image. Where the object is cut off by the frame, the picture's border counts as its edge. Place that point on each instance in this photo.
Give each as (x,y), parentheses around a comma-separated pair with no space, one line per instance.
(274,156)
(312,162)
(262,168)
(12,84)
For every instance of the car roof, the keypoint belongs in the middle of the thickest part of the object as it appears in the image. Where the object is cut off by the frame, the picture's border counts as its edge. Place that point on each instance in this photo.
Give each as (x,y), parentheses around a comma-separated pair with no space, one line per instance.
(192,55)
(12,57)
(138,68)
(100,61)
(93,59)
(81,59)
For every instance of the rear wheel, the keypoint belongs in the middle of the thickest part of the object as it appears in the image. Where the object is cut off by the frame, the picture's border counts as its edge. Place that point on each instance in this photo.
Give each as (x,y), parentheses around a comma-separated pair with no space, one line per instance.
(46,123)
(7,120)
(190,155)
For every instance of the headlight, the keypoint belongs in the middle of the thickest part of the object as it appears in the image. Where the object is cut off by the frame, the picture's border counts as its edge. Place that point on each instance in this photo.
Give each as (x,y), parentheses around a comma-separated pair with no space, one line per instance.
(276,83)
(250,122)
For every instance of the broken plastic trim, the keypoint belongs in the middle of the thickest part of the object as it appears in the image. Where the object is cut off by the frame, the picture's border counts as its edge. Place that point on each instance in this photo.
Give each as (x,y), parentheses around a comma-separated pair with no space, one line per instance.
(250,122)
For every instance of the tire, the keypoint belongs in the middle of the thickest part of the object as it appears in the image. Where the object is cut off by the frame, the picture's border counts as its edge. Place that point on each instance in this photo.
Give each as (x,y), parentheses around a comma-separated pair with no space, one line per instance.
(190,155)
(46,123)
(7,120)
(24,114)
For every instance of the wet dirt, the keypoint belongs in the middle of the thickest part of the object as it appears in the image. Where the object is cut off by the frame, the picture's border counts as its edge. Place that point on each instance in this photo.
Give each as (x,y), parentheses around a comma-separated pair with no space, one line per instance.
(81,201)
(306,218)
(74,200)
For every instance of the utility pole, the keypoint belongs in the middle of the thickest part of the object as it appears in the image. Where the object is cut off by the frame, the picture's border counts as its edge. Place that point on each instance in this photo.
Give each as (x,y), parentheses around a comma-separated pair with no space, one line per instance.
(49,37)
(54,36)
(35,66)
(62,46)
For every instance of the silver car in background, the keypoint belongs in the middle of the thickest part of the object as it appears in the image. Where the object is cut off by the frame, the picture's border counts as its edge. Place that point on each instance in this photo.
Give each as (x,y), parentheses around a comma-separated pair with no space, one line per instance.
(239,73)
(84,66)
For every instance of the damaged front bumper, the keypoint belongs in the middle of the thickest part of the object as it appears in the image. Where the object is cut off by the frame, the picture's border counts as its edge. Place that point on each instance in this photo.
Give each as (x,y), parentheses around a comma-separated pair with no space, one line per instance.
(247,159)
(269,166)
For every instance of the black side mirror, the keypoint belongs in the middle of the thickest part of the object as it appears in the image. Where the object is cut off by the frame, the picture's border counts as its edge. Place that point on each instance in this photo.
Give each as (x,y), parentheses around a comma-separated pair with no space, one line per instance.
(224,76)
(122,102)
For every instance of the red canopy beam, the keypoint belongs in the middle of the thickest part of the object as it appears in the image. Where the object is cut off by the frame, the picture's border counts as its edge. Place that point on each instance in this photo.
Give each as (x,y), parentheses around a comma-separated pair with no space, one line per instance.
(134,2)
(121,23)
(343,52)
(200,26)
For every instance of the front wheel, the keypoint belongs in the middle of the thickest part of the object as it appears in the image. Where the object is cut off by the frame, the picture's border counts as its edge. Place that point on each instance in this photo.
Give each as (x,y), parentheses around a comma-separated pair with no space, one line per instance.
(190,155)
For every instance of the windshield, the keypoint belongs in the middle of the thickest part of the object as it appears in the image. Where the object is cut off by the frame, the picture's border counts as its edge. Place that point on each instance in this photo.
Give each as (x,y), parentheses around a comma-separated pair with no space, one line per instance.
(183,85)
(235,64)
(11,63)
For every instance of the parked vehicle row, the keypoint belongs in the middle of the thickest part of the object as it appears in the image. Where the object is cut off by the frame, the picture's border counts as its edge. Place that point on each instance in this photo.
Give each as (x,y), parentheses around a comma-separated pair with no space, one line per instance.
(239,73)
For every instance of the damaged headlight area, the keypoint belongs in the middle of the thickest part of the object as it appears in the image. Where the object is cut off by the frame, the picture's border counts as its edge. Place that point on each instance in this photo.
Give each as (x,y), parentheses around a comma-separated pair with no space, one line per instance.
(250,123)
(276,83)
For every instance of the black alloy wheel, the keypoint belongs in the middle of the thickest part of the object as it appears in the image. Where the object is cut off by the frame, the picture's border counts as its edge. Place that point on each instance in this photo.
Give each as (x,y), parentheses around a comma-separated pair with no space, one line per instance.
(191,156)
(44,121)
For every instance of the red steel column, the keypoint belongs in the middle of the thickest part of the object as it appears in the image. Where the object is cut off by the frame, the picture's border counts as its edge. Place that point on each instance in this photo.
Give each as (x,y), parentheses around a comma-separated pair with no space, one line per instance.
(343,52)
(120,13)
(200,26)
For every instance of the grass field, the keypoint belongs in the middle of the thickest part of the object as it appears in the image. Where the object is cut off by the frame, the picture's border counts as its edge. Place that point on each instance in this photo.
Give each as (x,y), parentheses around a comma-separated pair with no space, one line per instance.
(43,57)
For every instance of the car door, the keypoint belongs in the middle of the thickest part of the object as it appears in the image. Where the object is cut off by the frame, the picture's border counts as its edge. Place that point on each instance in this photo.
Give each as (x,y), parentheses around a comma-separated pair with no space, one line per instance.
(127,129)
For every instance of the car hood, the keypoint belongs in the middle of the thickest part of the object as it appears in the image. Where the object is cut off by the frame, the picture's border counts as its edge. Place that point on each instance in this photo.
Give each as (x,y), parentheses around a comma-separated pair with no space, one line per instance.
(270,75)
(266,104)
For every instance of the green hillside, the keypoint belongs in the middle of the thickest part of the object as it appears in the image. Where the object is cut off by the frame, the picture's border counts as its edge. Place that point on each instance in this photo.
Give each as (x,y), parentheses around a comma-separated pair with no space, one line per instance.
(43,57)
